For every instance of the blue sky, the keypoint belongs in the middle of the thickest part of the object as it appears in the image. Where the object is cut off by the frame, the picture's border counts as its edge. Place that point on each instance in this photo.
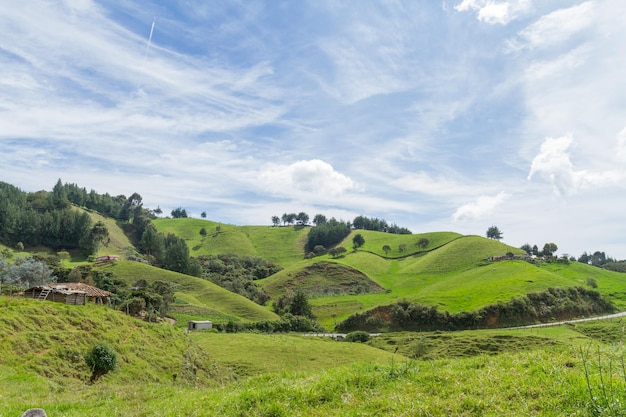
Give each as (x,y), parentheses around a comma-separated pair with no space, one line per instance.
(434,115)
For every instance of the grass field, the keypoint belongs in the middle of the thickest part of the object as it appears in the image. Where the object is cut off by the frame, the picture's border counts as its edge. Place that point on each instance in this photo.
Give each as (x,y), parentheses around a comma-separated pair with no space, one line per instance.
(566,370)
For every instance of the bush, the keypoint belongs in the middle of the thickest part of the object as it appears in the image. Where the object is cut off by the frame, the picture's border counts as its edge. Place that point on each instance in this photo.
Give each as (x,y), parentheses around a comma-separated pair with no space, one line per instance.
(101,359)
(357,336)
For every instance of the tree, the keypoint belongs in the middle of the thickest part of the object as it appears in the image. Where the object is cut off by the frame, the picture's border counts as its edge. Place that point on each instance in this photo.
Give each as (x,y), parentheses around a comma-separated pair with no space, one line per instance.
(284,218)
(302,218)
(527,248)
(494,233)
(386,249)
(358,241)
(203,214)
(291,218)
(549,249)
(535,250)
(402,247)
(100,359)
(29,272)
(98,236)
(423,242)
(319,219)
(203,232)
(275,220)
(179,213)
(337,252)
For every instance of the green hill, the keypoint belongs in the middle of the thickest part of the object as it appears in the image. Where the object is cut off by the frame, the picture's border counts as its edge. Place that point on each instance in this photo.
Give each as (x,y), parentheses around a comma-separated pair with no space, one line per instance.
(450,272)
(196,298)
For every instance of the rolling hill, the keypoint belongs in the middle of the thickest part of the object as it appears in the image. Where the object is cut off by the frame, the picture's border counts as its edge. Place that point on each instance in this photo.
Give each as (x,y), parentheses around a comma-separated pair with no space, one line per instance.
(451,272)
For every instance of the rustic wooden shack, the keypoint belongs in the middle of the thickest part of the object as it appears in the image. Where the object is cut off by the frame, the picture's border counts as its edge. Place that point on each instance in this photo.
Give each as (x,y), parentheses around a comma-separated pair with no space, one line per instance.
(69,293)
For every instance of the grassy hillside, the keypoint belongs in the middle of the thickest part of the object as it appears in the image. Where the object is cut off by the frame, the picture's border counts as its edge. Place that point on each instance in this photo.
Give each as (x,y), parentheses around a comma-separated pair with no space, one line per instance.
(450,272)
(567,370)
(281,245)
(197,299)
(119,241)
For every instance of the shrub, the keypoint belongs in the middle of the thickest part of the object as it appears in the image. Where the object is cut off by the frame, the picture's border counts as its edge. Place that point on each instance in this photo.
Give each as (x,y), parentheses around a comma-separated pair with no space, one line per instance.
(357,336)
(101,359)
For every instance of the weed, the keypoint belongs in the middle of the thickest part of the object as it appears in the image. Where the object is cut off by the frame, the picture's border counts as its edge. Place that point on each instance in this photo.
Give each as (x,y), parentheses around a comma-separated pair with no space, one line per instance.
(605,378)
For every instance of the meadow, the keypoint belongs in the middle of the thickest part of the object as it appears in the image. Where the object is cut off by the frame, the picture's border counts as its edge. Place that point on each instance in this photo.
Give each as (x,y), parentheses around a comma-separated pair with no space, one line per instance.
(574,370)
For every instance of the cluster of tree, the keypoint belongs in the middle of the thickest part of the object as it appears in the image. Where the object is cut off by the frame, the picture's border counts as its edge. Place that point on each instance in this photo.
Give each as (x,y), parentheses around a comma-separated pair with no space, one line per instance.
(181,213)
(600,259)
(25,272)
(327,234)
(301,219)
(237,274)
(29,219)
(380,225)
(296,304)
(168,251)
(560,303)
(549,249)
(118,207)
(153,298)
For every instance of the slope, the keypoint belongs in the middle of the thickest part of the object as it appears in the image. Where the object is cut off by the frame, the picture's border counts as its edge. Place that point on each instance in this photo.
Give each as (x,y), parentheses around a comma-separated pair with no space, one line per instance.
(196,298)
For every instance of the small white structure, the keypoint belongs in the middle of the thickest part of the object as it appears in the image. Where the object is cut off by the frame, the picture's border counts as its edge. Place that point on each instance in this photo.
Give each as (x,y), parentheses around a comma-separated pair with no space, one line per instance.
(199,325)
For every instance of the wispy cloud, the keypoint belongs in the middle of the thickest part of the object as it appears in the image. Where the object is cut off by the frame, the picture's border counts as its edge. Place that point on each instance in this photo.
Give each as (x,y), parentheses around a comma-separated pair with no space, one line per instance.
(554,28)
(495,12)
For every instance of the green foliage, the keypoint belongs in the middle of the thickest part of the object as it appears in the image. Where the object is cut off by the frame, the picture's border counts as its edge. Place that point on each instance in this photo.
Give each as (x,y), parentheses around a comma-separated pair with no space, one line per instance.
(380,225)
(296,304)
(179,213)
(100,359)
(237,274)
(357,336)
(423,242)
(327,234)
(494,233)
(357,241)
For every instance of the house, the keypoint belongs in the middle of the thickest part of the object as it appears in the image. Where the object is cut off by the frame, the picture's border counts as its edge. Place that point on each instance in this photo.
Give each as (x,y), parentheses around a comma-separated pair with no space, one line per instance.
(199,325)
(77,293)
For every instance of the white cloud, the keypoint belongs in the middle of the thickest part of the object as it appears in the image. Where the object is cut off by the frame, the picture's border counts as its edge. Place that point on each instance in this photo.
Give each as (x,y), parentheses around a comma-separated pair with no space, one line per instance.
(482,206)
(554,165)
(314,176)
(554,28)
(495,12)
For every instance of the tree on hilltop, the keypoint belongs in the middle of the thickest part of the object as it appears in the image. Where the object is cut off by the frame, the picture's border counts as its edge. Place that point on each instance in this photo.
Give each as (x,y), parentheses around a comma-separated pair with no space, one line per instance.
(494,233)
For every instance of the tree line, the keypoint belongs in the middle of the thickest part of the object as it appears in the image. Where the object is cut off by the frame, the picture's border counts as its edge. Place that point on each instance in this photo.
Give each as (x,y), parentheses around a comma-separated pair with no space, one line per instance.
(42,218)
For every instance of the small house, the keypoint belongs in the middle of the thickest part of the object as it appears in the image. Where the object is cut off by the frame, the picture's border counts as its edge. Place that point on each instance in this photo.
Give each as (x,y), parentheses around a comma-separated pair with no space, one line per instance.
(199,325)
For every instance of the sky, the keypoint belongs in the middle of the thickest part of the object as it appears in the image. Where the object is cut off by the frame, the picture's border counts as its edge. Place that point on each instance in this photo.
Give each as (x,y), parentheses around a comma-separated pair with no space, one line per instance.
(451,115)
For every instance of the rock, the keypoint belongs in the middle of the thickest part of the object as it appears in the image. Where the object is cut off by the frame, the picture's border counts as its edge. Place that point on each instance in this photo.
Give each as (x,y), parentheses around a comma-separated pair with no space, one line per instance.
(35,412)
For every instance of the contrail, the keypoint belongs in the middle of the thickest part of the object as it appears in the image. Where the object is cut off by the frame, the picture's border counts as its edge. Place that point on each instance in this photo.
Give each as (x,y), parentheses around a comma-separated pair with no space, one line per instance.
(145,55)
(149,39)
